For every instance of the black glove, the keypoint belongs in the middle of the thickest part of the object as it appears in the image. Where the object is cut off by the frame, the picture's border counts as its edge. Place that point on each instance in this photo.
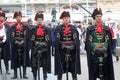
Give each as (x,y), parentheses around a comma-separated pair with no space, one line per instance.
(36,43)
(70,47)
(100,51)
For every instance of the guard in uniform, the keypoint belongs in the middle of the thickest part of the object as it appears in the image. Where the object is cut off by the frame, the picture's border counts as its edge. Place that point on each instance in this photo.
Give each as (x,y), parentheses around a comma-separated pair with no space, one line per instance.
(4,42)
(67,52)
(98,47)
(19,39)
(40,48)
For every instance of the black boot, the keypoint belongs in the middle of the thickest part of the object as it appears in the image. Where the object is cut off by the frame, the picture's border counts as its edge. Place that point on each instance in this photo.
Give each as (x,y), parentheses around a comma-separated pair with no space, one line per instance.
(24,76)
(34,71)
(14,77)
(59,77)
(24,73)
(7,66)
(74,76)
(35,76)
(117,58)
(15,74)
(7,70)
(45,76)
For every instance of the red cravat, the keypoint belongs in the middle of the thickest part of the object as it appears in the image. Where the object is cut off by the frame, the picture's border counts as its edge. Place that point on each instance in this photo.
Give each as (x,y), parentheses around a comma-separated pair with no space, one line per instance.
(66,31)
(99,28)
(39,30)
(0,25)
(19,29)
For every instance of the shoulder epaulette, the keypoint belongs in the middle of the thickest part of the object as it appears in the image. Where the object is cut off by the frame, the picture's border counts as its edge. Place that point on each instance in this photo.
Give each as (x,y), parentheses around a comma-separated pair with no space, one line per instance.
(92,27)
(105,27)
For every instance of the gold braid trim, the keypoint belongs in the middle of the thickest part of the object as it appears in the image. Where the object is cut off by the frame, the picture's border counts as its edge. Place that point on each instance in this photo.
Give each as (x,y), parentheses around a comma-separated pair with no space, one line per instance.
(47,38)
(25,32)
(74,36)
(106,38)
(90,38)
(33,37)
(58,35)
(13,34)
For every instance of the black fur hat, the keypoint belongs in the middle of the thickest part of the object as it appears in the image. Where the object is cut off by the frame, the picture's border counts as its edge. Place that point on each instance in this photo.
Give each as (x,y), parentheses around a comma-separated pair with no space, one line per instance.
(0,8)
(96,12)
(2,14)
(64,14)
(39,15)
(17,13)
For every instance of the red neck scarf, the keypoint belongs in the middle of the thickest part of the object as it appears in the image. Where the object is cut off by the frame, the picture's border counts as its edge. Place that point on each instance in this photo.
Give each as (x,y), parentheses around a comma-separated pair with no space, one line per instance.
(39,30)
(1,25)
(66,31)
(19,28)
(99,28)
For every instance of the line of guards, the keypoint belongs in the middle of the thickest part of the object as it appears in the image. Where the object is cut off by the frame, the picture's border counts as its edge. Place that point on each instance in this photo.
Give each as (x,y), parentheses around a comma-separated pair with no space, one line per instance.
(17,39)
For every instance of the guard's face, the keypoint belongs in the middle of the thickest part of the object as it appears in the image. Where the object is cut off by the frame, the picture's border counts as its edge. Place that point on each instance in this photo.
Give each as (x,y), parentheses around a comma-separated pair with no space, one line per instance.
(39,21)
(66,19)
(2,18)
(98,18)
(18,18)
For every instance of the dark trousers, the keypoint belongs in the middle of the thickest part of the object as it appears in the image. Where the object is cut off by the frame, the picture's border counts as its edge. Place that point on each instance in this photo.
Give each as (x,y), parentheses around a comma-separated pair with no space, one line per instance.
(74,76)
(71,69)
(24,71)
(104,70)
(6,62)
(42,63)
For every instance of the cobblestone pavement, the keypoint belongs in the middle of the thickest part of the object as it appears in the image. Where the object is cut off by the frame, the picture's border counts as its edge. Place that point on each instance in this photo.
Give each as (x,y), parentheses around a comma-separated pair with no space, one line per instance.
(83,76)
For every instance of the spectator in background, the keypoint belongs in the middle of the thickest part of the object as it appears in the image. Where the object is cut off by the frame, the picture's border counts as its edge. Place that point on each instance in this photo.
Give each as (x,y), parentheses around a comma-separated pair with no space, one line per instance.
(53,13)
(114,40)
(114,31)
(30,22)
(81,39)
(118,35)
